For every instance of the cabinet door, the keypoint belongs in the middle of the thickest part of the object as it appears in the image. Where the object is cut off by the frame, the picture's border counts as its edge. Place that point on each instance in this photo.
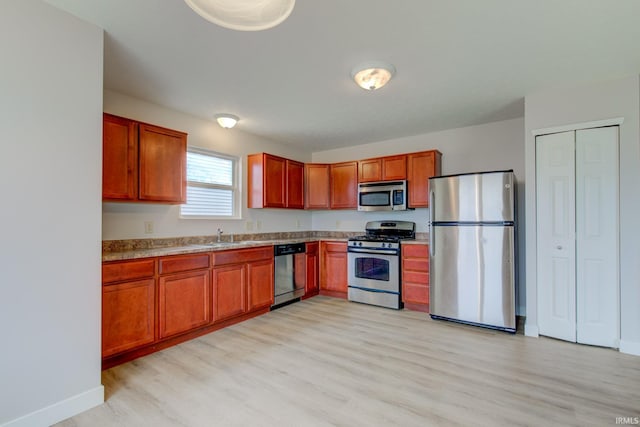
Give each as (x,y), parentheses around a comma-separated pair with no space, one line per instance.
(295,184)
(370,170)
(312,260)
(119,158)
(415,274)
(316,186)
(128,316)
(229,291)
(184,301)
(333,267)
(274,182)
(163,156)
(420,167)
(260,284)
(344,185)
(394,168)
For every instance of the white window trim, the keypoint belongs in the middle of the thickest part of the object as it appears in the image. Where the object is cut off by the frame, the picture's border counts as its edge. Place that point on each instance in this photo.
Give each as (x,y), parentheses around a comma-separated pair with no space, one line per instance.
(236,188)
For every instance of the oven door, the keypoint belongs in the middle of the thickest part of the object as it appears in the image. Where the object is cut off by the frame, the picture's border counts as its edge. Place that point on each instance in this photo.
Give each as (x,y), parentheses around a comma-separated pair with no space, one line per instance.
(374,269)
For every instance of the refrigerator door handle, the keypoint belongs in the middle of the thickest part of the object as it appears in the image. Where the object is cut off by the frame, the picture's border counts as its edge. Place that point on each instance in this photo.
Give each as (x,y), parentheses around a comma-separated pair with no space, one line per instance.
(431,240)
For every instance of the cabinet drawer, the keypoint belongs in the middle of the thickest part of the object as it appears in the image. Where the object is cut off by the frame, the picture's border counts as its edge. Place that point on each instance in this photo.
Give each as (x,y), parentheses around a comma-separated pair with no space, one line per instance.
(421,251)
(415,264)
(415,277)
(415,293)
(119,271)
(242,255)
(175,264)
(334,246)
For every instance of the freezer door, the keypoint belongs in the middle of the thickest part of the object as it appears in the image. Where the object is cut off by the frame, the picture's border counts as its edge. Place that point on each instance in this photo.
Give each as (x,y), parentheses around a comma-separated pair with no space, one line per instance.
(472,274)
(482,197)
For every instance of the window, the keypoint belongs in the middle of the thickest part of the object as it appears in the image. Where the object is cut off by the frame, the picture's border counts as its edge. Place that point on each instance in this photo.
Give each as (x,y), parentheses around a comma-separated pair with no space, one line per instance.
(212,185)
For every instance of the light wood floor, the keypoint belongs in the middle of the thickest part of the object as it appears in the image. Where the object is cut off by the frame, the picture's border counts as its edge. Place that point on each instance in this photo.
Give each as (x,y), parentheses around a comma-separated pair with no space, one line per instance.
(326,361)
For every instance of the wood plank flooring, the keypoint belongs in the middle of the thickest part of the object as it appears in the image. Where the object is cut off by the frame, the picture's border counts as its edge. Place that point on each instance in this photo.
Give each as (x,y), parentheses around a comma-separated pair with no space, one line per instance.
(328,362)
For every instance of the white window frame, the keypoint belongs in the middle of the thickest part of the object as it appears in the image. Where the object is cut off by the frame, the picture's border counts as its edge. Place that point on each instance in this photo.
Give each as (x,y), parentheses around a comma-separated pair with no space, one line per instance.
(235,187)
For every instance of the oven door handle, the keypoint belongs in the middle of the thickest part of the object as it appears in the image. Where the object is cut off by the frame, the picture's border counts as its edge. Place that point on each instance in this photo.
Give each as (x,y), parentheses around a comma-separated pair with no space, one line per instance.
(373,251)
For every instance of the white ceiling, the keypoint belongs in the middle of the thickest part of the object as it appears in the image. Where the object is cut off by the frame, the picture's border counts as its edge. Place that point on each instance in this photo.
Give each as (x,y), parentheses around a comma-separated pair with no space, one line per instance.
(459,62)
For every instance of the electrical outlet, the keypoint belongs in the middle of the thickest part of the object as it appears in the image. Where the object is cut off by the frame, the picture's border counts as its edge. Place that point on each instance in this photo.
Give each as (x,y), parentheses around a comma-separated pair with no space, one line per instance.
(148,227)
(259,225)
(337,225)
(248,225)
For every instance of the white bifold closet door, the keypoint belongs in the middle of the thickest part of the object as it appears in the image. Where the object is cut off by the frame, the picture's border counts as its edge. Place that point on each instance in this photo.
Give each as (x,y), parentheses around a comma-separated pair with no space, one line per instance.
(577,235)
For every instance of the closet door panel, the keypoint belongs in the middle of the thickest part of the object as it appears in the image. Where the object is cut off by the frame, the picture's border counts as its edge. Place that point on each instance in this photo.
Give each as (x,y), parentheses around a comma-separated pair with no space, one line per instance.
(597,282)
(555,186)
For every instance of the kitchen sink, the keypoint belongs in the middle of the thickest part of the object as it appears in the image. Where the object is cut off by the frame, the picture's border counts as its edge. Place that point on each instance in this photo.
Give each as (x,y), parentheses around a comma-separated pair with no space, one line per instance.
(236,244)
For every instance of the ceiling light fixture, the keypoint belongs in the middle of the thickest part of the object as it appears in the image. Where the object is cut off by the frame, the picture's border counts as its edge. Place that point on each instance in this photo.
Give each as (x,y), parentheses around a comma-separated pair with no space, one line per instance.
(243,15)
(373,75)
(227,121)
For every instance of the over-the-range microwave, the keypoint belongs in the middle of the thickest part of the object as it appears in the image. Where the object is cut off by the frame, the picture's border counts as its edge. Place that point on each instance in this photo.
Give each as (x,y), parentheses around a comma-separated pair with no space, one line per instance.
(382,196)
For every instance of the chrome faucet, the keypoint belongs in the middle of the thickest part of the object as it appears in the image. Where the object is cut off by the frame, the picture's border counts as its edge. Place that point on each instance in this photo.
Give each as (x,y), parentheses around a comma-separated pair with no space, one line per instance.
(220,234)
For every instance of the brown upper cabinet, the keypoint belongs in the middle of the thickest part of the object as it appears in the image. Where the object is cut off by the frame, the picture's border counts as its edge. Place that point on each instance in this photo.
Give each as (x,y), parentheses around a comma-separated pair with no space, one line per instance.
(142,162)
(295,184)
(388,168)
(420,167)
(317,187)
(275,182)
(344,185)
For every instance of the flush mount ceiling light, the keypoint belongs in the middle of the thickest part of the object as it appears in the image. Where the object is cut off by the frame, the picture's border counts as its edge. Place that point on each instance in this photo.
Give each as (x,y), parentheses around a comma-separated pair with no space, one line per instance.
(373,75)
(243,15)
(227,121)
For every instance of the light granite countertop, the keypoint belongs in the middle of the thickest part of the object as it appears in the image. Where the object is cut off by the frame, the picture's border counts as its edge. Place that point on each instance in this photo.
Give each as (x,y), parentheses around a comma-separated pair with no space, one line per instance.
(204,247)
(118,250)
(415,242)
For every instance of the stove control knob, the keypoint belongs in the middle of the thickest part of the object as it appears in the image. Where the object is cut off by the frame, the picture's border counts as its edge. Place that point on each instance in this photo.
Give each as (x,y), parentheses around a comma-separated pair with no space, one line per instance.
(359,243)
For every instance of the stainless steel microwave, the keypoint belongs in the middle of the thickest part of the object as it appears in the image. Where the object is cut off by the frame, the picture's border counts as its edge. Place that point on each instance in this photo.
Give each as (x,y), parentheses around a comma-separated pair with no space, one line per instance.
(382,196)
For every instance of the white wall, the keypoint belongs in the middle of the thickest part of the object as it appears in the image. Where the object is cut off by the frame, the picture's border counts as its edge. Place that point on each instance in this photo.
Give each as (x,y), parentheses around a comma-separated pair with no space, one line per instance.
(605,100)
(50,156)
(492,146)
(126,220)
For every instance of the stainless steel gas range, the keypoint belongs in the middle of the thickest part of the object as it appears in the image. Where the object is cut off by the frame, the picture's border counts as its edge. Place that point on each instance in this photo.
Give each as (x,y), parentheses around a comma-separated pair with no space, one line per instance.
(374,263)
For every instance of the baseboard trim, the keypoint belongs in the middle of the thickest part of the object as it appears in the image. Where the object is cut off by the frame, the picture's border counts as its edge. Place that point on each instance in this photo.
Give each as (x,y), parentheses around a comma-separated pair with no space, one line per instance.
(630,347)
(531,330)
(61,410)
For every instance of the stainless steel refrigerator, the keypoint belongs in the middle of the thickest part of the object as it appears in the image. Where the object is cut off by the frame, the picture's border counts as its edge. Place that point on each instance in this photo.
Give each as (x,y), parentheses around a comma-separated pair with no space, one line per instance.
(472,249)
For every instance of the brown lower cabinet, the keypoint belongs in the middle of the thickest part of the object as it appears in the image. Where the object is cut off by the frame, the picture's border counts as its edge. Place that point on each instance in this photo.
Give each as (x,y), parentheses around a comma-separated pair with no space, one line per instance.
(128,305)
(153,303)
(415,277)
(312,269)
(242,281)
(128,315)
(333,268)
(184,302)
(184,293)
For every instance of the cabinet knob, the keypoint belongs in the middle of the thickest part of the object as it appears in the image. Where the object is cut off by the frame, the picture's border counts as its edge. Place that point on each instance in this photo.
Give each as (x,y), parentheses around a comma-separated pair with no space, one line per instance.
(559,247)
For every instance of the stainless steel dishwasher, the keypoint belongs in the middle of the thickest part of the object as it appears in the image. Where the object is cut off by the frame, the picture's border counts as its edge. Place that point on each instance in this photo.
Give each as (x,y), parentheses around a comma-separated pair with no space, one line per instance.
(289,273)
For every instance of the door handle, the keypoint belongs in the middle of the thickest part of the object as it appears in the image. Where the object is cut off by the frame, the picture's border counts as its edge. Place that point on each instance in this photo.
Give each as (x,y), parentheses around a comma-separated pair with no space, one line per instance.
(431,239)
